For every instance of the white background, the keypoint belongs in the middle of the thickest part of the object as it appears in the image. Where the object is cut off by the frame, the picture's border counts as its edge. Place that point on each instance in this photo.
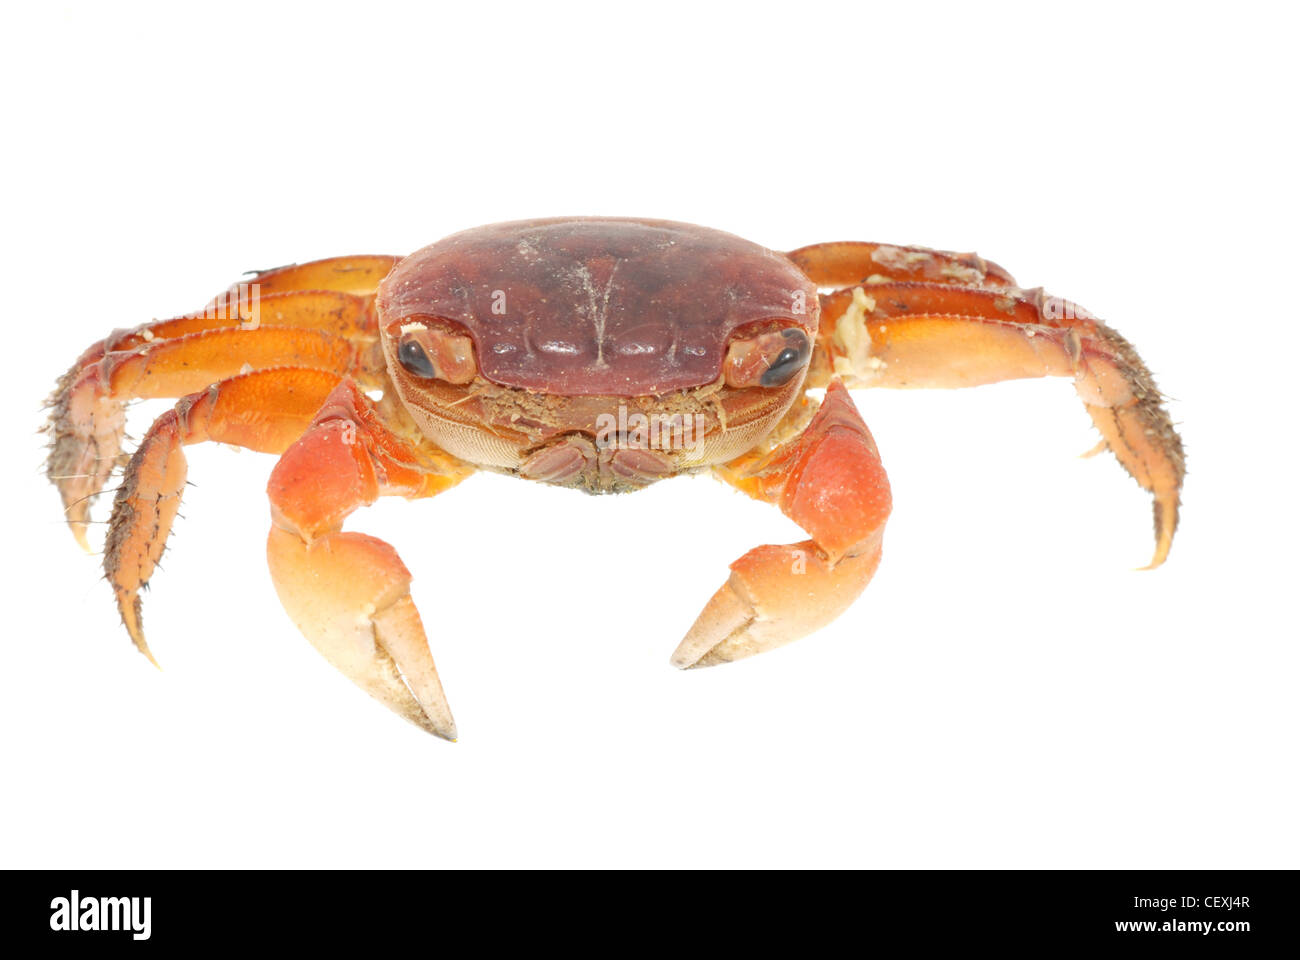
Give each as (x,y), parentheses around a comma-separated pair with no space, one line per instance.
(1008,692)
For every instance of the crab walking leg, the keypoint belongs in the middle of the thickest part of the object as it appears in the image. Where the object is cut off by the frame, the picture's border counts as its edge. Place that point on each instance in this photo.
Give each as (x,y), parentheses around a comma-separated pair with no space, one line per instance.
(356,274)
(349,593)
(88,409)
(264,411)
(830,481)
(847,263)
(344,315)
(927,335)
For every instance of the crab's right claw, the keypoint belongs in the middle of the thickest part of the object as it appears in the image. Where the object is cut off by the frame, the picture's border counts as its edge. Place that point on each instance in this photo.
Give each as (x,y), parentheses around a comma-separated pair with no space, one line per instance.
(349,595)
(831,482)
(773,596)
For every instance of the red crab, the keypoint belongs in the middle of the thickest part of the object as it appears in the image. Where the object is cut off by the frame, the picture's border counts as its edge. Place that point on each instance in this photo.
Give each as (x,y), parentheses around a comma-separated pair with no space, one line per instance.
(597,353)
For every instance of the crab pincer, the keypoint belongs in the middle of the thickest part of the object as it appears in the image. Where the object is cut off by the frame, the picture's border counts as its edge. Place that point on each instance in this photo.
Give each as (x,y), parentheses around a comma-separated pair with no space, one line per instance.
(349,593)
(831,482)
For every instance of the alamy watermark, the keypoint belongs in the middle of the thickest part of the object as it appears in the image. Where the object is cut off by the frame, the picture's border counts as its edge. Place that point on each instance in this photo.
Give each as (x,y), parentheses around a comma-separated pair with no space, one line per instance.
(128,914)
(653,431)
(1057,308)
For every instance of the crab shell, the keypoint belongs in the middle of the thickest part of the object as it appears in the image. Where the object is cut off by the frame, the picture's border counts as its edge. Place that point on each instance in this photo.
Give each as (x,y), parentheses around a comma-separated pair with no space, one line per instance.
(572,319)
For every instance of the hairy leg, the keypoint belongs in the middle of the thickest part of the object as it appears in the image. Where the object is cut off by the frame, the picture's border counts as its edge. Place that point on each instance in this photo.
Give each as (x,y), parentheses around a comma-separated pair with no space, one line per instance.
(319,314)
(902,334)
(264,411)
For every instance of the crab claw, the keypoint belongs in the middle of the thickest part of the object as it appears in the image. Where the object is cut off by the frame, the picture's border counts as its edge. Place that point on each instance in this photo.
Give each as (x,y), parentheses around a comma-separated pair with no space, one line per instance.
(830,481)
(349,595)
(773,596)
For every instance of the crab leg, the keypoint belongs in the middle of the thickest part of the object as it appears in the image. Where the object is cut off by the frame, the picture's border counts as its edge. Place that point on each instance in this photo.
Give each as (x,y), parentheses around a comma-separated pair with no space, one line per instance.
(349,593)
(330,331)
(264,411)
(830,481)
(356,274)
(928,335)
(850,262)
(362,578)
(344,315)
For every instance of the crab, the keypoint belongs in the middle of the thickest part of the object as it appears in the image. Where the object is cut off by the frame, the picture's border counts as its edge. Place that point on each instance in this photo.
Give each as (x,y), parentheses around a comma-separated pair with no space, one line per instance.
(602,354)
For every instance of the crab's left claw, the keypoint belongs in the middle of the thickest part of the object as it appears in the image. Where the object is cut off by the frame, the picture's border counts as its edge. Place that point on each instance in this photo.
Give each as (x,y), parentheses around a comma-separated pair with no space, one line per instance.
(831,482)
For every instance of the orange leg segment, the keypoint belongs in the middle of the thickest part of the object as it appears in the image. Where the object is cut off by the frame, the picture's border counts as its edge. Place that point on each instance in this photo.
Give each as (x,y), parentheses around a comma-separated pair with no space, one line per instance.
(831,482)
(264,411)
(931,335)
(321,329)
(847,263)
(355,274)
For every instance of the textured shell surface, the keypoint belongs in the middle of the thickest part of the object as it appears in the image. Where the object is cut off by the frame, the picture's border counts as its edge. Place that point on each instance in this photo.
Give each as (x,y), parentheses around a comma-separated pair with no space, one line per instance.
(598,306)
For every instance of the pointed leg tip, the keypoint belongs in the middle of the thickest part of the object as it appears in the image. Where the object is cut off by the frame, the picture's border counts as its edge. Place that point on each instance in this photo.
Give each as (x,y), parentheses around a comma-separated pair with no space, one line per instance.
(137,637)
(1159,557)
(1166,523)
(77,516)
(79,534)
(128,605)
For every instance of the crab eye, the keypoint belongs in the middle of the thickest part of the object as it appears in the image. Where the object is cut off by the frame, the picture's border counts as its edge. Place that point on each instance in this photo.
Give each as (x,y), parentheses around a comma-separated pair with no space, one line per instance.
(770,359)
(789,361)
(434,352)
(415,361)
